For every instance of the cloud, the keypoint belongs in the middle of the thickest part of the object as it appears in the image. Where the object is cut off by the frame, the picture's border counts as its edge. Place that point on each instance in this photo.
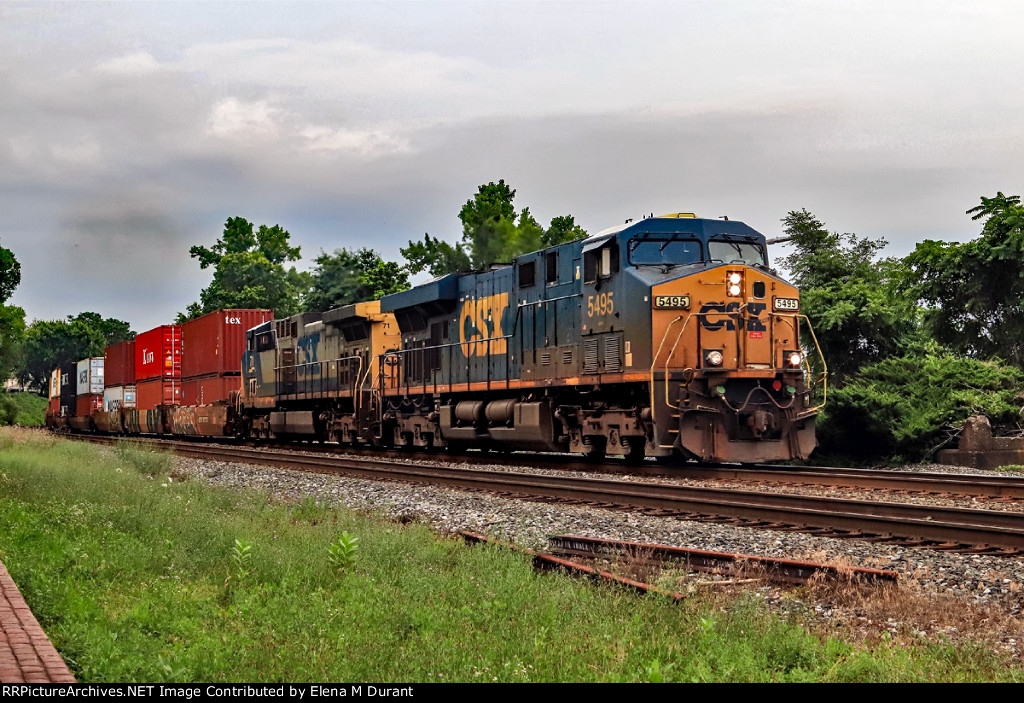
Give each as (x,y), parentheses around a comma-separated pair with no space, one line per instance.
(235,119)
(364,142)
(139,63)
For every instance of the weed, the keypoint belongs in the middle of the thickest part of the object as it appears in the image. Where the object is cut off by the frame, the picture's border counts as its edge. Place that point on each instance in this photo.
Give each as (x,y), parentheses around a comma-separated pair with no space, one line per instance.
(638,563)
(655,672)
(342,553)
(144,459)
(241,553)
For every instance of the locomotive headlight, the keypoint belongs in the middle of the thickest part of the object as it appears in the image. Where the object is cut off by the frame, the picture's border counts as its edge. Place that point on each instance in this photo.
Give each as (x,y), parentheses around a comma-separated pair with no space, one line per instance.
(713,357)
(793,359)
(734,283)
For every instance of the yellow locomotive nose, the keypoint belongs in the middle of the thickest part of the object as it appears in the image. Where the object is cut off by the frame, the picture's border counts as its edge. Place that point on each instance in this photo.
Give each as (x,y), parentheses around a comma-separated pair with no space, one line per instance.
(727,374)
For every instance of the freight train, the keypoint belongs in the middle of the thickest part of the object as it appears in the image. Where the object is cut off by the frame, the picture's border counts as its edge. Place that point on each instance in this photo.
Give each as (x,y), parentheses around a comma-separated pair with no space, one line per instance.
(669,336)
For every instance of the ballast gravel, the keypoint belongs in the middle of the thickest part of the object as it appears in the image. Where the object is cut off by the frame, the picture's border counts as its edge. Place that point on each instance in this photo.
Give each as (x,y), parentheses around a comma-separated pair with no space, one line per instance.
(993,586)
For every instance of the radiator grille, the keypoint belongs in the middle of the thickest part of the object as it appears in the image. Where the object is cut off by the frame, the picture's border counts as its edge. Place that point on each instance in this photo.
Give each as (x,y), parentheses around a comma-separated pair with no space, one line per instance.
(612,354)
(590,355)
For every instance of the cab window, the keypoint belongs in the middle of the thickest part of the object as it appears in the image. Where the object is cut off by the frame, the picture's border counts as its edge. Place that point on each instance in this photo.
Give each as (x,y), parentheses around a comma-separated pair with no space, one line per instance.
(664,250)
(602,262)
(732,251)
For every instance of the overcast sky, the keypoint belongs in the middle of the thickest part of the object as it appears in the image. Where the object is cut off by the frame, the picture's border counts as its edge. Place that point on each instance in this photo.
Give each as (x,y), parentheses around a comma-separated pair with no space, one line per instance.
(129,132)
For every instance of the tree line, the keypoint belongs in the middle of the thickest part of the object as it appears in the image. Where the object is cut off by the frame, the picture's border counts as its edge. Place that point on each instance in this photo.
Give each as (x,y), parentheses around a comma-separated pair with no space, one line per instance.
(253,267)
(912,345)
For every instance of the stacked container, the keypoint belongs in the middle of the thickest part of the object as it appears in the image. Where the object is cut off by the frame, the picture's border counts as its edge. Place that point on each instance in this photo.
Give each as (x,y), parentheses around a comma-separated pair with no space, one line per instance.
(213,345)
(119,376)
(158,367)
(68,388)
(89,386)
(53,406)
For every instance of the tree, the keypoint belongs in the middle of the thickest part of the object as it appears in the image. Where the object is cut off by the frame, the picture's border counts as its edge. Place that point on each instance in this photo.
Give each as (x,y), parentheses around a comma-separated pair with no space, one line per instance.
(491,232)
(973,293)
(10,274)
(249,271)
(904,408)
(352,276)
(12,335)
(12,318)
(852,299)
(50,343)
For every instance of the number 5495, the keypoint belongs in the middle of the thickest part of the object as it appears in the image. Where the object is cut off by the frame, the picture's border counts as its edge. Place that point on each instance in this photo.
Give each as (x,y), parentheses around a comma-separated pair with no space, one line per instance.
(601,304)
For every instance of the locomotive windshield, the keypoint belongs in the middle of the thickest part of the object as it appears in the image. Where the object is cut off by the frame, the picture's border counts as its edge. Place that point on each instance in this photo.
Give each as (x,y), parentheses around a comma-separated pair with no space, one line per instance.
(731,251)
(657,252)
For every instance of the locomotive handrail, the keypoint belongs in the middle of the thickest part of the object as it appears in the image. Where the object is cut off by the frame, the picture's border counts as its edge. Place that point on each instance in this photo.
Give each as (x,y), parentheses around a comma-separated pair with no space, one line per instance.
(355,386)
(654,360)
(823,377)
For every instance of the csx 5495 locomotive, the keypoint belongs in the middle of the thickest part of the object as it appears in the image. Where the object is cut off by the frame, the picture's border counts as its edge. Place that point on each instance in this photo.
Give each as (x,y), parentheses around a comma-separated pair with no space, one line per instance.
(666,336)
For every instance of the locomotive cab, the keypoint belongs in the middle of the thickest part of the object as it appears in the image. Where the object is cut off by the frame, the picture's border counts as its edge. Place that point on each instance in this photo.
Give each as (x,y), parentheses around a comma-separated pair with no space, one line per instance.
(728,374)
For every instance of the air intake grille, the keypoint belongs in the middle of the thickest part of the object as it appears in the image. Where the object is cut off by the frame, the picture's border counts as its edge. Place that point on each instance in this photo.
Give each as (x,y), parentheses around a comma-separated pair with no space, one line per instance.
(612,355)
(545,358)
(590,364)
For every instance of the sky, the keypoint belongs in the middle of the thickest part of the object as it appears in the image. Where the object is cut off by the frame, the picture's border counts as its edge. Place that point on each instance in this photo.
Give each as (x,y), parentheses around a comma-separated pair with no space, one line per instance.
(130,132)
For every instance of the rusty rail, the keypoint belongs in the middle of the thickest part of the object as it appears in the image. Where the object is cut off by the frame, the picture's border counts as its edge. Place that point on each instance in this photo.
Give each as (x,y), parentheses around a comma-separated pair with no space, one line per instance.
(550,561)
(773,569)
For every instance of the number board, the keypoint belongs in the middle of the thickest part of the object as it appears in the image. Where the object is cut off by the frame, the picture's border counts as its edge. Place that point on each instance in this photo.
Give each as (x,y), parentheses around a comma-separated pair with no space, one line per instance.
(787,304)
(671,302)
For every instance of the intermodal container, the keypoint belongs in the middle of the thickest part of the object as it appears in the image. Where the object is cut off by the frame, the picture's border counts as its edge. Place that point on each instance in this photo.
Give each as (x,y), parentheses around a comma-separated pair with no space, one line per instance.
(85,404)
(90,376)
(119,364)
(214,343)
(118,397)
(208,389)
(68,386)
(158,353)
(160,391)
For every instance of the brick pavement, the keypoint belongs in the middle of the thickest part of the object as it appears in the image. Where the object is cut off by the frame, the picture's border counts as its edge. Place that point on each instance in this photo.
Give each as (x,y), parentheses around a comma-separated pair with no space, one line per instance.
(26,653)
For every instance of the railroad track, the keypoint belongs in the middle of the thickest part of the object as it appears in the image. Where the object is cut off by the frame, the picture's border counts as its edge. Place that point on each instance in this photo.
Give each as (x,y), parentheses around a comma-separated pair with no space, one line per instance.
(996,488)
(949,529)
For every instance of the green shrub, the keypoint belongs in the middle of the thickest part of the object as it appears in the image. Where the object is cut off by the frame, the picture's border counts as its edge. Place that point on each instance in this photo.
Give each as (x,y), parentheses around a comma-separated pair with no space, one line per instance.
(905,407)
(25,409)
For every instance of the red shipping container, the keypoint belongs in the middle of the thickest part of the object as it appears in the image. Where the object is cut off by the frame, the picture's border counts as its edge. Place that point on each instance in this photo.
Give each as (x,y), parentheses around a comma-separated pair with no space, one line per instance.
(208,389)
(161,391)
(119,364)
(158,353)
(214,343)
(85,404)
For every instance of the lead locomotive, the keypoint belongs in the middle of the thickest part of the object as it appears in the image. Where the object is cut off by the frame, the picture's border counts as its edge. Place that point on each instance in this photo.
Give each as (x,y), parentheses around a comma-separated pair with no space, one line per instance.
(662,337)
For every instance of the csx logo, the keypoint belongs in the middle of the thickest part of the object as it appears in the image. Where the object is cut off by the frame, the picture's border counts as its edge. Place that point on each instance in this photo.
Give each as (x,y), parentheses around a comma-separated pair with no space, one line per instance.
(480,320)
(228,320)
(147,356)
(712,322)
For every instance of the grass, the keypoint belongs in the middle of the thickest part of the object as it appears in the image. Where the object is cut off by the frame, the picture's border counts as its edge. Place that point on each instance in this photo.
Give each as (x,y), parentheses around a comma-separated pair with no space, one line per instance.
(24,409)
(140,576)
